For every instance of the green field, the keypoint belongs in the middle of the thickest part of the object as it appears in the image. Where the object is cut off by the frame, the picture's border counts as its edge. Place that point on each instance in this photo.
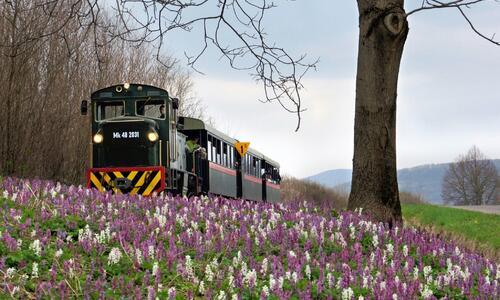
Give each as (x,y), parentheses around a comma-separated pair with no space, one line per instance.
(474,229)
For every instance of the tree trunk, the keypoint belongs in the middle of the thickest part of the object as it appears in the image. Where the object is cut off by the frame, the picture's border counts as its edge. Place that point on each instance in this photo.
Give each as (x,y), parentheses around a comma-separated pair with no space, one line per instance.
(383,30)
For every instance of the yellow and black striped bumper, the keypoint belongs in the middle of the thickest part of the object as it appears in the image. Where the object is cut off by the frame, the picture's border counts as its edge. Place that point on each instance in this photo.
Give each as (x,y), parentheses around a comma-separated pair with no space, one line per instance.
(139,180)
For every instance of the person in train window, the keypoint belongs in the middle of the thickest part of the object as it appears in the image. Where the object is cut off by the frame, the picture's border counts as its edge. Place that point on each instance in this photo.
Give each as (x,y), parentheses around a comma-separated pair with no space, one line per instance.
(162,111)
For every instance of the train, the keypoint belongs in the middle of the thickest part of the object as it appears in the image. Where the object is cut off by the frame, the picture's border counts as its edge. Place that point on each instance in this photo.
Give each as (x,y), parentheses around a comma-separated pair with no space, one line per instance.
(140,145)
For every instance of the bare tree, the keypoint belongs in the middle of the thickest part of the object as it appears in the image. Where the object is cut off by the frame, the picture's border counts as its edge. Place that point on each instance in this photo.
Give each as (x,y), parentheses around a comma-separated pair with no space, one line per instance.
(45,78)
(471,180)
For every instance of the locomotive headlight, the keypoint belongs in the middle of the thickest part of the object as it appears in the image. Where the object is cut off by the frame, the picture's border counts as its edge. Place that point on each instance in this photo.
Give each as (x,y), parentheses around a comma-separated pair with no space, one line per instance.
(126,86)
(98,138)
(152,136)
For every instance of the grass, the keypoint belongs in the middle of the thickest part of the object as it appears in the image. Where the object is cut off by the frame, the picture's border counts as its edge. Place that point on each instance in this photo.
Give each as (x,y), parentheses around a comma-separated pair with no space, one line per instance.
(475,230)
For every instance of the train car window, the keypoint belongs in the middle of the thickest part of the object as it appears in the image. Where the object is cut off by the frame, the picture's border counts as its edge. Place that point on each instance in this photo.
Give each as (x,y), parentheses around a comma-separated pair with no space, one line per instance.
(109,110)
(231,159)
(218,148)
(224,154)
(257,169)
(151,109)
(209,148)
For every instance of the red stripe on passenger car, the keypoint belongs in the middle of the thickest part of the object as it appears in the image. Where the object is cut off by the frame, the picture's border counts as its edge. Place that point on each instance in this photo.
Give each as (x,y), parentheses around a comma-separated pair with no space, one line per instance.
(273,186)
(222,169)
(253,179)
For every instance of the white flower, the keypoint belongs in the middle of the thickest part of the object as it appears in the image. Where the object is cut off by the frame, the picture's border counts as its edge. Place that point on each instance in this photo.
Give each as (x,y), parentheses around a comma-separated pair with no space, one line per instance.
(114,256)
(151,251)
(138,255)
(10,272)
(201,288)
(265,290)
(292,254)
(35,246)
(347,294)
(155,268)
(390,248)
(59,253)
(427,271)
(272,282)
(375,241)
(264,266)
(209,275)
(250,278)
(405,251)
(426,293)
(394,297)
(294,277)
(308,256)
(308,272)
(221,296)
(34,270)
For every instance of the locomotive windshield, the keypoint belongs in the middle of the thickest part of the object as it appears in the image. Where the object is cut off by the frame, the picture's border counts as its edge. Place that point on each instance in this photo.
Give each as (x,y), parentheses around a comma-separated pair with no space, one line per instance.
(151,108)
(109,110)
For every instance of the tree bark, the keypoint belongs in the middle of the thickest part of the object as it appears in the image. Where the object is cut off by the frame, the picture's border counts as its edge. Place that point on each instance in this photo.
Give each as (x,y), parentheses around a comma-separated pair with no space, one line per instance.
(383,30)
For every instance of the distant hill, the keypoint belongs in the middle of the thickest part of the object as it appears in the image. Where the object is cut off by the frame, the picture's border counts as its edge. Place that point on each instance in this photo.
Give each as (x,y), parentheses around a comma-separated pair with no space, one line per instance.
(424,180)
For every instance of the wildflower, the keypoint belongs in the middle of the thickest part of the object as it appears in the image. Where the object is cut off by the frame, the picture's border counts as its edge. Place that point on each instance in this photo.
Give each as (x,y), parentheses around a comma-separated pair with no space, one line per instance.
(155,268)
(308,272)
(10,272)
(347,294)
(151,251)
(58,253)
(35,246)
(375,241)
(221,296)
(34,270)
(265,290)
(250,278)
(294,277)
(272,282)
(171,293)
(114,256)
(426,293)
(308,256)
(264,266)
(330,279)
(189,267)
(138,255)
(201,288)
(427,271)
(390,248)
(209,275)
(405,251)
(415,272)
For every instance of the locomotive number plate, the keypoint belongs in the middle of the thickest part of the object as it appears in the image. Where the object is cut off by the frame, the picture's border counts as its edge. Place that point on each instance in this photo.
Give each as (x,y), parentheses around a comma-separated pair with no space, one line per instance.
(126,135)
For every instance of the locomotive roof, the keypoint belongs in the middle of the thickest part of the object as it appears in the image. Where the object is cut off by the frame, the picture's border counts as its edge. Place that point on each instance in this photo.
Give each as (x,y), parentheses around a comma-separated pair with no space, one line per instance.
(111,91)
(197,124)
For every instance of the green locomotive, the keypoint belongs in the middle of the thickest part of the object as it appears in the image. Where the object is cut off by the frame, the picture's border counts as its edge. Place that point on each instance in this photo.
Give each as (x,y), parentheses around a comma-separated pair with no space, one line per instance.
(141,146)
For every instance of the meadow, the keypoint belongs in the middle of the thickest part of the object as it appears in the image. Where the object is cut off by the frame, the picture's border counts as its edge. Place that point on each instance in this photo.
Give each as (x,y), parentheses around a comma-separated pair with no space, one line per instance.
(479,231)
(64,242)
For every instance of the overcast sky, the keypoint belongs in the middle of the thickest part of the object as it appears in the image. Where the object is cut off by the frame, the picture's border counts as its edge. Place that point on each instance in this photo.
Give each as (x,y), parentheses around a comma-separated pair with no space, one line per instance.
(448,97)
